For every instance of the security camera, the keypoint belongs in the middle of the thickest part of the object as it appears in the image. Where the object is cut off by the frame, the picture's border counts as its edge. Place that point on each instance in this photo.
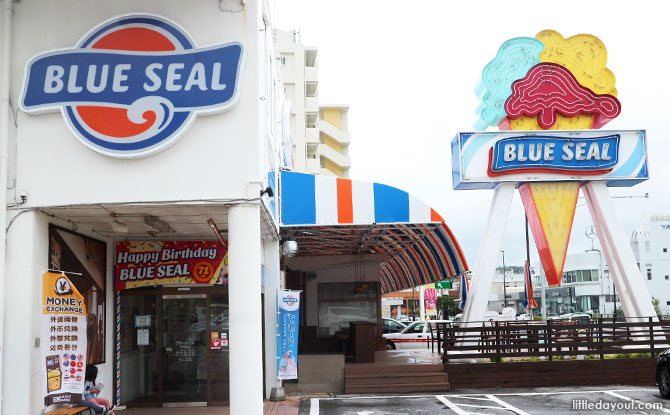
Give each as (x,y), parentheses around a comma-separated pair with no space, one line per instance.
(290,248)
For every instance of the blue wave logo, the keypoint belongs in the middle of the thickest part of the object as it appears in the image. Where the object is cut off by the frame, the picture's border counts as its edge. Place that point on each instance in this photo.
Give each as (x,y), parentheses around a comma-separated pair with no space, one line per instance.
(134,84)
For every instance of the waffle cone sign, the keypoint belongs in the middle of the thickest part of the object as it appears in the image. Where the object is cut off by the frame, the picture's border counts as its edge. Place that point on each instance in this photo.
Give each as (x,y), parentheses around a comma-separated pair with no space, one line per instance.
(63,340)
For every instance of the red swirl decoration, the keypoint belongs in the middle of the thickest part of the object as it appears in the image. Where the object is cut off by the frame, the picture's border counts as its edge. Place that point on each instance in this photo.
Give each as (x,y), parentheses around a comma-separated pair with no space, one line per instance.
(549,88)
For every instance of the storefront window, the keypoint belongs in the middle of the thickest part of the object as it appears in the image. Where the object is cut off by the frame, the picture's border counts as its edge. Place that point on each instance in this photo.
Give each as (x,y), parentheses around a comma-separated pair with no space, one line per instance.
(84,259)
(342,303)
(220,357)
(139,350)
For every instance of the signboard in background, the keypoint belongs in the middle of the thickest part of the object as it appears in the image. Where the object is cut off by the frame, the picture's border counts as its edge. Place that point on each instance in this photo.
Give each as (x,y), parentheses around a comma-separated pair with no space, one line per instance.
(150,263)
(430,299)
(443,284)
(288,319)
(64,340)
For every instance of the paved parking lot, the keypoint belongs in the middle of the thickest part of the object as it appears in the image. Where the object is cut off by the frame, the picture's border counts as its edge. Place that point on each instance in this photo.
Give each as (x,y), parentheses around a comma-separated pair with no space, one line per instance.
(554,401)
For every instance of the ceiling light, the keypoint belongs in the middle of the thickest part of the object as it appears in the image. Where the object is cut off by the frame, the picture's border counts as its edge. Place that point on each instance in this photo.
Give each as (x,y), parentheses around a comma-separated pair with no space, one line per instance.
(158,224)
(216,230)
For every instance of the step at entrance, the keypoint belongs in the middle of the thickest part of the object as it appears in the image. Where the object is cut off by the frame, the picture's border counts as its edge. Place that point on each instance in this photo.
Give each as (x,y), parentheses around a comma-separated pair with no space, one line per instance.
(371,378)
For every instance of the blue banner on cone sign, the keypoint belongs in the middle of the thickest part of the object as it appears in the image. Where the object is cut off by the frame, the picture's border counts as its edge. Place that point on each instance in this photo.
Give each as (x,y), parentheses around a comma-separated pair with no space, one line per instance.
(288,319)
(593,155)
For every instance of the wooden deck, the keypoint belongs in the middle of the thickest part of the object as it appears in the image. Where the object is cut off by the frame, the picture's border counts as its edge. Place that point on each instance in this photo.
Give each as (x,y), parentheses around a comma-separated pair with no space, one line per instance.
(633,371)
(398,371)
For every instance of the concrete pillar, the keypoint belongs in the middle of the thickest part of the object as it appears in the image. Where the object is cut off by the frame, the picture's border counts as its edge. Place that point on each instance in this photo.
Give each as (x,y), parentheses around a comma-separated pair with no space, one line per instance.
(271,253)
(27,255)
(422,302)
(246,343)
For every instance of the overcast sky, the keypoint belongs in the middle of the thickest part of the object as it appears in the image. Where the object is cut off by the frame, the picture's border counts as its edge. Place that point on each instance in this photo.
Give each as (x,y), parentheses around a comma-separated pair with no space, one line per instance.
(408,71)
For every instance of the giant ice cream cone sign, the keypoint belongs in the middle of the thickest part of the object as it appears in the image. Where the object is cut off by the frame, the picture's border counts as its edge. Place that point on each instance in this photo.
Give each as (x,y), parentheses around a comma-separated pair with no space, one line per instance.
(547,98)
(561,84)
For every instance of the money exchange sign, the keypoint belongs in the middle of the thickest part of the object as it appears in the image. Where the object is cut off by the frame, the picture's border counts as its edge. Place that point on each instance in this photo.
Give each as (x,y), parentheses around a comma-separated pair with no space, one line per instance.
(64,340)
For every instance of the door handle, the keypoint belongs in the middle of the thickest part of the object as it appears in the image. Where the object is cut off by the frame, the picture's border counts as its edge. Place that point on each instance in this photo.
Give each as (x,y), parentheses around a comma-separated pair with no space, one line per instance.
(420,336)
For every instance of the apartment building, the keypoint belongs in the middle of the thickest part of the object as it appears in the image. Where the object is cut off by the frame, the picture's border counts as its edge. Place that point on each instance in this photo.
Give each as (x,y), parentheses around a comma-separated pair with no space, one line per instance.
(320,133)
(650,243)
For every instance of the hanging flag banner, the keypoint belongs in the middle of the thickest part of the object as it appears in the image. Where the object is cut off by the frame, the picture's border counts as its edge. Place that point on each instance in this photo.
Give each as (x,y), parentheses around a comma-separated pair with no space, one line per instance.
(288,319)
(63,340)
(430,299)
(150,263)
(465,287)
(530,302)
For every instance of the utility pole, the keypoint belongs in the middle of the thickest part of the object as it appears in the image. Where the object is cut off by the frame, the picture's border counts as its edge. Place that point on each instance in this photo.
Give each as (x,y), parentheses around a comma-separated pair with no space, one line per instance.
(530,280)
(504,280)
(543,280)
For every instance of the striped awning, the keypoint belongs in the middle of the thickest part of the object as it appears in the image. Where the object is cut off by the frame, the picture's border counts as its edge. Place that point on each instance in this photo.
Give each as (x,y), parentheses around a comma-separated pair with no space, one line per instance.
(333,216)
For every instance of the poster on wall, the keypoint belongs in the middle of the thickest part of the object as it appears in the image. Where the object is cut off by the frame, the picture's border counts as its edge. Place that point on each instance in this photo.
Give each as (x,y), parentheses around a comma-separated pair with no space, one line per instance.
(151,263)
(430,299)
(288,319)
(63,340)
(85,261)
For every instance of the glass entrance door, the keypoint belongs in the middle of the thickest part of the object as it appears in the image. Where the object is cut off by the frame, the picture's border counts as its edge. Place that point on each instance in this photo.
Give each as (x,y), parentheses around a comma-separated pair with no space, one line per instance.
(185,346)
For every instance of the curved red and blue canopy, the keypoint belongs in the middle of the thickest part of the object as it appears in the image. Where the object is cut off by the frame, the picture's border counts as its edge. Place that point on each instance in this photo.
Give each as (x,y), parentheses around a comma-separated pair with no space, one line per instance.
(333,216)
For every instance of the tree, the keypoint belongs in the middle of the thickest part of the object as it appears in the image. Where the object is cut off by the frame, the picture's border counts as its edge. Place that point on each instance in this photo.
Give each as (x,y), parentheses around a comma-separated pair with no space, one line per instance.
(656,302)
(448,302)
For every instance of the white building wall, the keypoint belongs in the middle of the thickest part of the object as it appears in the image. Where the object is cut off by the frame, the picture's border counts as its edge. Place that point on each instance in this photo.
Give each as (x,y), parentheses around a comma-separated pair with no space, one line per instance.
(222,147)
(297,72)
(223,156)
(27,259)
(602,288)
(651,248)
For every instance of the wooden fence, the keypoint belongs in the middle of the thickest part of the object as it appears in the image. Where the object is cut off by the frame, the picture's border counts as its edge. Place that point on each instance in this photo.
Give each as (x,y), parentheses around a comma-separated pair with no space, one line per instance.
(552,339)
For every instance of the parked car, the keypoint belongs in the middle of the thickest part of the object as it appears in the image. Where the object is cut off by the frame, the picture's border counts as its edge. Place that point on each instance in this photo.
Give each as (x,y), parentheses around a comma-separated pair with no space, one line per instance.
(392,326)
(663,374)
(414,336)
(579,317)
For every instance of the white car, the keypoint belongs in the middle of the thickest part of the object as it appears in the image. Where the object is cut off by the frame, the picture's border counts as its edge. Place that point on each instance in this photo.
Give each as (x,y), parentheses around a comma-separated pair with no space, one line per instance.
(415,336)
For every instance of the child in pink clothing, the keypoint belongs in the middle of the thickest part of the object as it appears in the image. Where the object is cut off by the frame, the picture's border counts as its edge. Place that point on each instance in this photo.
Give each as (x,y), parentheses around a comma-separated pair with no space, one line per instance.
(91,391)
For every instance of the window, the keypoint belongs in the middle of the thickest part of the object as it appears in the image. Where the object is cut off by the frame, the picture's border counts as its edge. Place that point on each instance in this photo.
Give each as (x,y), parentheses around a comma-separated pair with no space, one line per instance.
(417,328)
(649,274)
(667,277)
(665,249)
(86,259)
(339,304)
(666,303)
(395,325)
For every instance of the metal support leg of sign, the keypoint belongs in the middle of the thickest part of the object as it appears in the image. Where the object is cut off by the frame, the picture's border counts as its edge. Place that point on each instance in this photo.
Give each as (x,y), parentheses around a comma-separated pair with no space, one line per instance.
(482,277)
(628,280)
